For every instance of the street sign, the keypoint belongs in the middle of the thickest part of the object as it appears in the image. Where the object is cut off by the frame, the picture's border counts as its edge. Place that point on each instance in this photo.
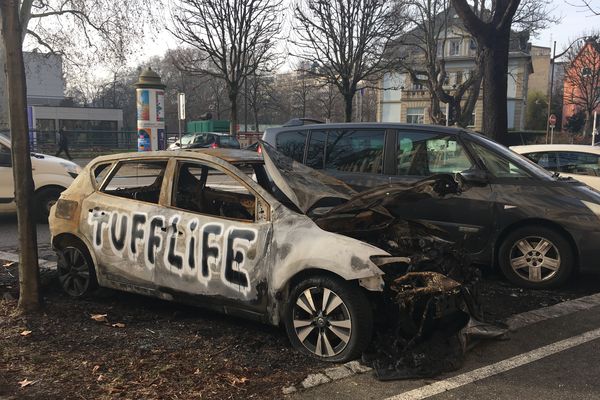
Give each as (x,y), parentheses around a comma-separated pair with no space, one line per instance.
(552,120)
(181,104)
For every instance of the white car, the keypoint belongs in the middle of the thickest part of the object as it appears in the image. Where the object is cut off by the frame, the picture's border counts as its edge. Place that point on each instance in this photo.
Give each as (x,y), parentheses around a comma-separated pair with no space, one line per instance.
(578,161)
(51,175)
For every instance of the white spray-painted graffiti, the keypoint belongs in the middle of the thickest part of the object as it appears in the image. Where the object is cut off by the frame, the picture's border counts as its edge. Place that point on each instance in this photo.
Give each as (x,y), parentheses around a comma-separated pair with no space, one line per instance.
(129,235)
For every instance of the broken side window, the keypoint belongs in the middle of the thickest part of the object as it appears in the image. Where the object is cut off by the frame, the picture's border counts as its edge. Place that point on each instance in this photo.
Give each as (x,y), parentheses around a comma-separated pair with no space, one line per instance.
(355,151)
(139,180)
(203,189)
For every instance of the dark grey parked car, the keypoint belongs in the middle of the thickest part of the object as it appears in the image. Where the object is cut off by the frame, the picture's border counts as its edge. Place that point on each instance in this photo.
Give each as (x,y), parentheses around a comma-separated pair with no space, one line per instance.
(206,140)
(537,227)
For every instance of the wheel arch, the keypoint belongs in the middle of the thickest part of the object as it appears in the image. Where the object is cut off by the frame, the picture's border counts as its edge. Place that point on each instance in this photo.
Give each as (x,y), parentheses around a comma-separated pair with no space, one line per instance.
(535,222)
(50,186)
(64,239)
(283,294)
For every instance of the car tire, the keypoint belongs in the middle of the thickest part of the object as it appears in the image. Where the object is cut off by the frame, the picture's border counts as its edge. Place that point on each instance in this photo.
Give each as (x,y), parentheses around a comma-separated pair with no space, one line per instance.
(44,199)
(76,272)
(329,319)
(536,257)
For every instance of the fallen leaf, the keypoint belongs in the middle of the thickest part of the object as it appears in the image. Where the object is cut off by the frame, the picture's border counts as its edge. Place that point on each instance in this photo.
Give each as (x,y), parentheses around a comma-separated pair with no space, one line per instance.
(99,317)
(9,264)
(96,368)
(25,333)
(100,378)
(26,382)
(118,325)
(197,371)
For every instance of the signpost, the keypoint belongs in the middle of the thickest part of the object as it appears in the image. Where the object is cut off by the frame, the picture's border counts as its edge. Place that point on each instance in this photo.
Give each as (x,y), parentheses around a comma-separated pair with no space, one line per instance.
(552,123)
(594,130)
(181,111)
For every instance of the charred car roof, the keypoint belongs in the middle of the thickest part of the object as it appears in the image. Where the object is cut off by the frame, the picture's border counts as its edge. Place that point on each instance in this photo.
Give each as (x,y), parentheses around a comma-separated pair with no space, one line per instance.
(233,156)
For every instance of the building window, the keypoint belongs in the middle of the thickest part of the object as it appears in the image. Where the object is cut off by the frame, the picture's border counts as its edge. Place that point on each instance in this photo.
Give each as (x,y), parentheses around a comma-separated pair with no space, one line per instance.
(472,121)
(459,77)
(472,47)
(454,49)
(415,115)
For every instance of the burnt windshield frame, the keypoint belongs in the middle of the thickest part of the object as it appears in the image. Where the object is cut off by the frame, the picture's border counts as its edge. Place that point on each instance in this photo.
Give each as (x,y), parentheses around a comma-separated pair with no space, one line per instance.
(529,166)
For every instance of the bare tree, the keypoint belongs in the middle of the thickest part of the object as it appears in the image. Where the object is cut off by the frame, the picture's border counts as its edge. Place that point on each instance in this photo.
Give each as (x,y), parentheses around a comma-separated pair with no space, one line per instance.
(347,39)
(490,22)
(104,25)
(582,78)
(84,32)
(587,4)
(21,162)
(422,54)
(234,39)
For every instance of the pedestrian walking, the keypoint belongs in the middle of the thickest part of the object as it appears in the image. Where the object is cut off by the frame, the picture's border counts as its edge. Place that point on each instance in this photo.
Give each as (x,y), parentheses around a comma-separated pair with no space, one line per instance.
(63,143)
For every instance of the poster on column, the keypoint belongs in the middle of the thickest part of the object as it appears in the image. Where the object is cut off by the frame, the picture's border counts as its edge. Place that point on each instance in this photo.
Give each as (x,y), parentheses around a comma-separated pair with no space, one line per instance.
(143,105)
(144,142)
(160,105)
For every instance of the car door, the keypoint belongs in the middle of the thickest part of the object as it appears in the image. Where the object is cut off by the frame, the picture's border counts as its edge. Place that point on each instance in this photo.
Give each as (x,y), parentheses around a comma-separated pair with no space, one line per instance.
(466,217)
(218,234)
(122,221)
(7,187)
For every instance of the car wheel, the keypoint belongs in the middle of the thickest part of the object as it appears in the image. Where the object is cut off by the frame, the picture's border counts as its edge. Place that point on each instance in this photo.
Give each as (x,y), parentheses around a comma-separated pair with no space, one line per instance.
(44,200)
(76,273)
(329,319)
(536,257)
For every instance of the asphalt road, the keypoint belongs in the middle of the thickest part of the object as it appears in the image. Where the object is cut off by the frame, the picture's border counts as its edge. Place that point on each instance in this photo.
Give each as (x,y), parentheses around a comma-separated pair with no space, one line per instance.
(9,233)
(553,359)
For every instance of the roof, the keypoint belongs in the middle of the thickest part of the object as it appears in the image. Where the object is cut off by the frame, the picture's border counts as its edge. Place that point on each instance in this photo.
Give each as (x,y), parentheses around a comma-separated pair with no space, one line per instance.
(536,148)
(229,155)
(370,125)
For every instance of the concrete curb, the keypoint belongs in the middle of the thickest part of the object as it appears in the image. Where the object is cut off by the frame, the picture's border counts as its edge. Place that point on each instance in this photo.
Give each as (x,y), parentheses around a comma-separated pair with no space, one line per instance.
(514,323)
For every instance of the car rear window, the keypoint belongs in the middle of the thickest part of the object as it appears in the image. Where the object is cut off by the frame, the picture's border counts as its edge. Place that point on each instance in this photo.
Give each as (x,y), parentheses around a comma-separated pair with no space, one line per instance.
(229,141)
(138,180)
(292,144)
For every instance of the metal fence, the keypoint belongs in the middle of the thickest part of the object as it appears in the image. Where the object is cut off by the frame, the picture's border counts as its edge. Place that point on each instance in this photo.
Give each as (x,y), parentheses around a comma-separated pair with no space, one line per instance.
(95,143)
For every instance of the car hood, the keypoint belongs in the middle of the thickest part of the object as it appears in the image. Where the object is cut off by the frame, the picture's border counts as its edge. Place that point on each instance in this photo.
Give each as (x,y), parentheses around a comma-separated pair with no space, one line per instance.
(304,186)
(334,206)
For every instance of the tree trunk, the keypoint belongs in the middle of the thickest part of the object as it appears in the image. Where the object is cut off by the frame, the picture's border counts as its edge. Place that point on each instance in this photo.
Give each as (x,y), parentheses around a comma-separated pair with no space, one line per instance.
(233,119)
(15,75)
(495,62)
(589,122)
(348,100)
(3,93)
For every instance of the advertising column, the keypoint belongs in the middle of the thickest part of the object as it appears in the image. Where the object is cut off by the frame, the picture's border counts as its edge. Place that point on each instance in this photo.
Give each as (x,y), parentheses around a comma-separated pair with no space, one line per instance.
(150,95)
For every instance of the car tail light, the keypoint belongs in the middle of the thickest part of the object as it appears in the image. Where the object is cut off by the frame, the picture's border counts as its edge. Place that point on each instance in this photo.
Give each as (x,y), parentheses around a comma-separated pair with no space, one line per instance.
(65,209)
(213,146)
(259,149)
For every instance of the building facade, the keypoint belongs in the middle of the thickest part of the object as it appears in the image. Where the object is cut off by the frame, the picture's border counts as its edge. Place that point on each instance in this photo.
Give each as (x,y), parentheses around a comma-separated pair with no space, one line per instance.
(402,100)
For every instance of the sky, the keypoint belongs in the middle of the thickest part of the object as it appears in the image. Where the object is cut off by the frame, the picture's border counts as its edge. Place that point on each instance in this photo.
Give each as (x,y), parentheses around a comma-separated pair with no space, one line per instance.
(575,22)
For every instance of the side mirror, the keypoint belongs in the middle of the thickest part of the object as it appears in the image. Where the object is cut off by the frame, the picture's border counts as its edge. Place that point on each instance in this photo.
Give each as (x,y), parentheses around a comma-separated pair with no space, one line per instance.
(5,160)
(475,176)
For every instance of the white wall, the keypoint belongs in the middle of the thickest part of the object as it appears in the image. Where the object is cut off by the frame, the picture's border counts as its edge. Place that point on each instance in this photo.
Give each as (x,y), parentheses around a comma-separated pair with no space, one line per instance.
(45,81)
(76,113)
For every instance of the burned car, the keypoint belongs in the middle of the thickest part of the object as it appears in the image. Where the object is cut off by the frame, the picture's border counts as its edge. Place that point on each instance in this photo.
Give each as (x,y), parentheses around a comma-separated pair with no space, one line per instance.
(260,236)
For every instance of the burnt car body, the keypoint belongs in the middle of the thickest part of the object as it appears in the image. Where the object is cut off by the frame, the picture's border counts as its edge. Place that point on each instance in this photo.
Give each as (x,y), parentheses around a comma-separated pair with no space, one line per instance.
(537,227)
(229,230)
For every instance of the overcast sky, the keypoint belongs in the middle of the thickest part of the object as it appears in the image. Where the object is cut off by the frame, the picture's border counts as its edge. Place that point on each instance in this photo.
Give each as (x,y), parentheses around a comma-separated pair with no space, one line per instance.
(575,22)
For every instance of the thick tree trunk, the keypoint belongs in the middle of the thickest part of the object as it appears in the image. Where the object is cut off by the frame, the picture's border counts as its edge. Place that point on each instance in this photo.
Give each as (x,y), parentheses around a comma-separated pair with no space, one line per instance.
(495,62)
(15,74)
(233,115)
(3,93)
(348,100)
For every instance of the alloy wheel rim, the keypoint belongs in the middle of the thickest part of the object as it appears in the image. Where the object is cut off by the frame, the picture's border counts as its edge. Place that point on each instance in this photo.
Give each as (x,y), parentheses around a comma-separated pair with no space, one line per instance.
(535,259)
(73,271)
(322,321)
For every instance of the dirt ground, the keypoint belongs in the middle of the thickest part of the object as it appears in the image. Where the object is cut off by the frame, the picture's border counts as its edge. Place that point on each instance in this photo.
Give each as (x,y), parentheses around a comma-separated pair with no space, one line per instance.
(138,347)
